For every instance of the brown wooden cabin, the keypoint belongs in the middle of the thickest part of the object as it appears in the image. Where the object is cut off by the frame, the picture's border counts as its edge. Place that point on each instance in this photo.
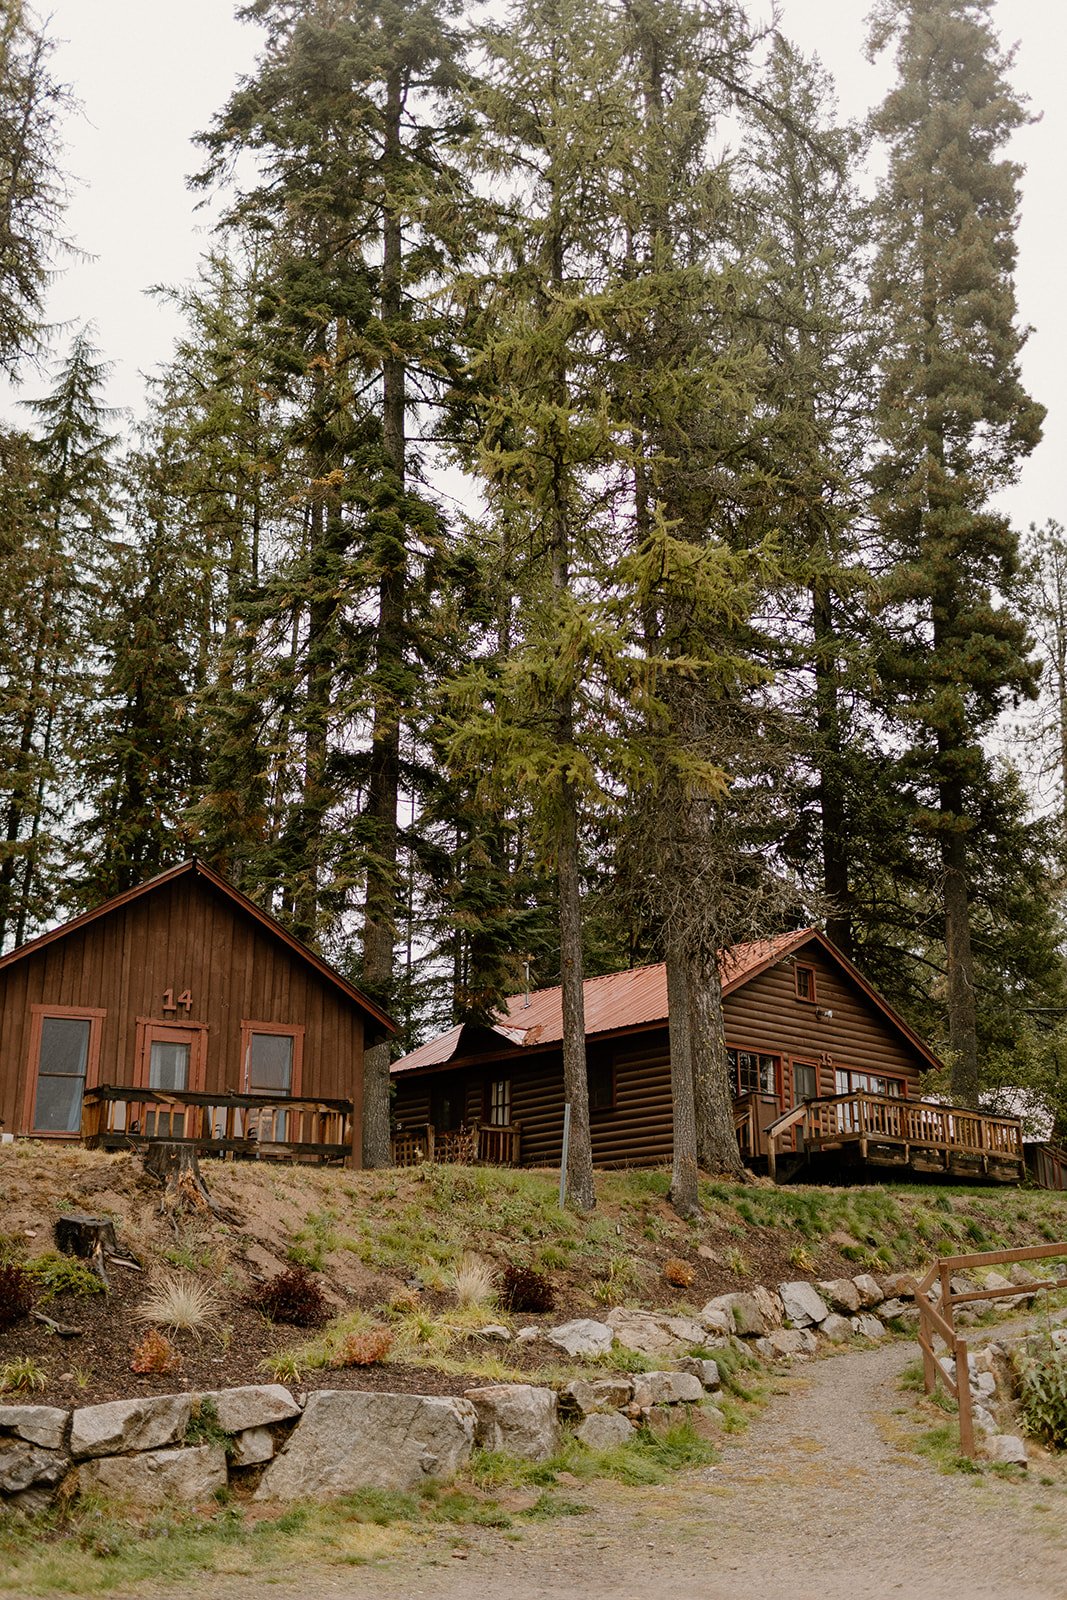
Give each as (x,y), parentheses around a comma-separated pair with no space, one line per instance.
(180,1010)
(824,1070)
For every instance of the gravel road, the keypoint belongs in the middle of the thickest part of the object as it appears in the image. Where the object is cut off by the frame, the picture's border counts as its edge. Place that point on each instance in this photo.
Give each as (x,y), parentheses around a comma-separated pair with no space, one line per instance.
(814,1502)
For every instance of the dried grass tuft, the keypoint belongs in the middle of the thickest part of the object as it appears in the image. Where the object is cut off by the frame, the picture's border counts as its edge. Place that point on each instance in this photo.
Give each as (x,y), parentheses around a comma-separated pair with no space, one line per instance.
(473,1281)
(679,1273)
(364,1349)
(155,1353)
(179,1302)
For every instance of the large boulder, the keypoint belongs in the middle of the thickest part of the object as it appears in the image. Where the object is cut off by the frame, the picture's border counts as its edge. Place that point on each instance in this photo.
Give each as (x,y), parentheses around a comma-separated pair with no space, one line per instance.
(748,1313)
(587,1396)
(605,1430)
(869,1290)
(43,1425)
(868,1326)
(701,1367)
(255,1405)
(348,1440)
(670,1388)
(803,1304)
(653,1333)
(582,1337)
(841,1294)
(899,1286)
(518,1418)
(1007,1448)
(120,1425)
(790,1343)
(158,1477)
(22,1465)
(836,1328)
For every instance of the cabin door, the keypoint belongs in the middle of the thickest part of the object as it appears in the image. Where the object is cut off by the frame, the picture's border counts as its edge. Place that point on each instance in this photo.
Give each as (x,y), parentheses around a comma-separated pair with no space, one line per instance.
(805,1087)
(172,1058)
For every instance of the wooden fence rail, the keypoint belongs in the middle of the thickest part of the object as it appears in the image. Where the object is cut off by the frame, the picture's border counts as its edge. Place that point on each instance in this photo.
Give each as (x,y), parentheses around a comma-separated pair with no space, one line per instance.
(219,1124)
(474,1144)
(937,1319)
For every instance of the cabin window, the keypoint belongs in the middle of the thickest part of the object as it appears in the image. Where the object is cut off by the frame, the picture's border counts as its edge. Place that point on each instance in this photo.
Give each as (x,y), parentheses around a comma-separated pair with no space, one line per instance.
(62,1065)
(600,1076)
(753,1073)
(273,1054)
(804,979)
(500,1102)
(805,1082)
(849,1082)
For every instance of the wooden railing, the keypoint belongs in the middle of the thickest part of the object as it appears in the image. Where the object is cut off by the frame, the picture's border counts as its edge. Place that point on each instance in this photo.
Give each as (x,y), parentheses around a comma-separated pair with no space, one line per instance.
(866,1119)
(481,1143)
(219,1124)
(746,1128)
(1047,1164)
(937,1319)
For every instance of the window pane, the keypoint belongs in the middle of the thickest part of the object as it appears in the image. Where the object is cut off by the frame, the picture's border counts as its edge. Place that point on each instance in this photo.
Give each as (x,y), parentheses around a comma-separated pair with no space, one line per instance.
(64,1045)
(271,1066)
(61,1074)
(59,1104)
(500,1103)
(168,1065)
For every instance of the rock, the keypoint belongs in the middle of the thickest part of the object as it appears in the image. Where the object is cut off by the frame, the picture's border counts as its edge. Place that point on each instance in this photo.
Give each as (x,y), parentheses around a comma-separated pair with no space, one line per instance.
(1006,1447)
(747,1314)
(23,1464)
(770,1305)
(803,1304)
(252,1406)
(673,1388)
(892,1309)
(119,1425)
(984,1419)
(701,1367)
(252,1446)
(868,1326)
(706,1253)
(869,1290)
(349,1439)
(959,1283)
(518,1418)
(496,1330)
(717,1320)
(44,1425)
(982,1360)
(836,1328)
(985,1384)
(648,1333)
(1022,1276)
(527,1335)
(587,1397)
(843,1241)
(605,1430)
(898,1286)
(583,1337)
(790,1343)
(158,1477)
(997,1280)
(841,1294)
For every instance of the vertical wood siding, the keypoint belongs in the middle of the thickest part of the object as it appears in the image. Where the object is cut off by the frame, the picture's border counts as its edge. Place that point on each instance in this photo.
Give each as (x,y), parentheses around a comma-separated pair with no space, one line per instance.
(184,935)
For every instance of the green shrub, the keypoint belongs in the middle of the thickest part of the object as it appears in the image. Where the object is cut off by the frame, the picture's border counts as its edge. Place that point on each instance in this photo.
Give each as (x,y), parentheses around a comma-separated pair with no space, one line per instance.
(56,1274)
(1042,1375)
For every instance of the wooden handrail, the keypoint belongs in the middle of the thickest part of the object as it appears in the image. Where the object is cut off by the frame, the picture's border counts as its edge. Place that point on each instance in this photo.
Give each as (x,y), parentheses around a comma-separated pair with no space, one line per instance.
(219,1123)
(941,1320)
(781,1125)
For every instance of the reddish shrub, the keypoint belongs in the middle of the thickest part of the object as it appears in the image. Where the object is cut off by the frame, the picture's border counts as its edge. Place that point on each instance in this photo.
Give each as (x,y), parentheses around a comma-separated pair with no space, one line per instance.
(155,1353)
(364,1349)
(525,1289)
(294,1296)
(16,1294)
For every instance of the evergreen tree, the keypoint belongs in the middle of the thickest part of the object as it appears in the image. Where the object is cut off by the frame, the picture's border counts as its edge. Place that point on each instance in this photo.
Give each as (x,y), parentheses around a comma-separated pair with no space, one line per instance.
(954,421)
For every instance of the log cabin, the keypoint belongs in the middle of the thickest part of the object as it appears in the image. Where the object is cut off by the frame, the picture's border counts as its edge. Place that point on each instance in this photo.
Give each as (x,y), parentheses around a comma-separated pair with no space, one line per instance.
(182,1011)
(824,1072)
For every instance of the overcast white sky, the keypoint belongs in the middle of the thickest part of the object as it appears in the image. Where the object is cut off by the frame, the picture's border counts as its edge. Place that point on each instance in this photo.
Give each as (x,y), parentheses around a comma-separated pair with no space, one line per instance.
(150,73)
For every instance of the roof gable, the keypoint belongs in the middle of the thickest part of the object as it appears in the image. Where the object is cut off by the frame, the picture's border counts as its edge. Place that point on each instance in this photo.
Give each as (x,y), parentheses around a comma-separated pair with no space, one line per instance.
(637,998)
(197,869)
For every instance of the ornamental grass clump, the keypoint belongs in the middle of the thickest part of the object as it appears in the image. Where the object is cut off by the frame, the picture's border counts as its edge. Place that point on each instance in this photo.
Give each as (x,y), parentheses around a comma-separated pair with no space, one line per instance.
(473,1281)
(16,1294)
(179,1302)
(294,1297)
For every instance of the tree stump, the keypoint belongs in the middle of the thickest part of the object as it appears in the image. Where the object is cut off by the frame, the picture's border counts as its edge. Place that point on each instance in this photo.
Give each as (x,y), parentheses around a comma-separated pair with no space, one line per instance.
(176,1167)
(79,1235)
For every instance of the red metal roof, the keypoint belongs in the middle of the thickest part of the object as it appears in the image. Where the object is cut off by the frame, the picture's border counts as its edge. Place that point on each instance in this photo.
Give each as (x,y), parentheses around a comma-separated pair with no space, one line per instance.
(619,1000)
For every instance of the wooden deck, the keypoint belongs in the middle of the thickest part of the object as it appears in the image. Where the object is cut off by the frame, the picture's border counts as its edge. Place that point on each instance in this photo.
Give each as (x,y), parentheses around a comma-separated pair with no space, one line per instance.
(262,1127)
(478,1144)
(890,1131)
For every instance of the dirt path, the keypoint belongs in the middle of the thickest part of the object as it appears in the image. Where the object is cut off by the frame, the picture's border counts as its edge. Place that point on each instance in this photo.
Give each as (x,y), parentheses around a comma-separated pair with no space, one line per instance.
(813,1501)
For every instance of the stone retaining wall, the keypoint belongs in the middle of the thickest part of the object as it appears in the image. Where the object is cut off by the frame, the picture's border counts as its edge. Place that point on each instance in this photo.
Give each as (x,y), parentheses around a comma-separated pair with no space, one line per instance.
(156,1449)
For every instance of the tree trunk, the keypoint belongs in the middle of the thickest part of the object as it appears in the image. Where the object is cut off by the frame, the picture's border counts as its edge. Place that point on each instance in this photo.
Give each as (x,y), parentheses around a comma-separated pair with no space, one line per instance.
(835,841)
(717,1148)
(962,1014)
(581,1193)
(684,1194)
(383,789)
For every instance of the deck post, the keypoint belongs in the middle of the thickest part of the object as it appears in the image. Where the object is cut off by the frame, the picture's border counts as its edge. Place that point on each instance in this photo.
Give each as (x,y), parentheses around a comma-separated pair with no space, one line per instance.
(963,1397)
